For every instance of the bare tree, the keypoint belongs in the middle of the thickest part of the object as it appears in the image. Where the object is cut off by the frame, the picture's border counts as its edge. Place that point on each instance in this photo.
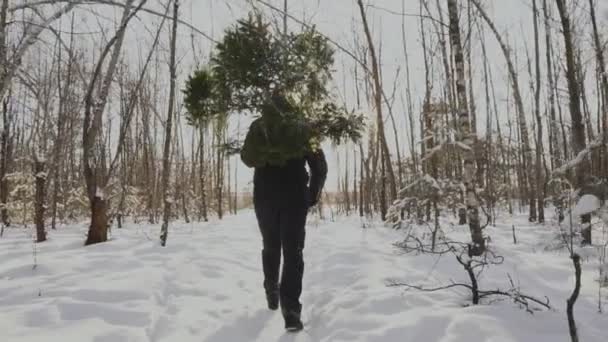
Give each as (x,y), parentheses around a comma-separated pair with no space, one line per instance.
(40,205)
(32,32)
(167,201)
(539,181)
(58,144)
(3,36)
(467,138)
(6,149)
(519,106)
(202,174)
(553,128)
(377,93)
(578,127)
(601,65)
(4,143)
(94,166)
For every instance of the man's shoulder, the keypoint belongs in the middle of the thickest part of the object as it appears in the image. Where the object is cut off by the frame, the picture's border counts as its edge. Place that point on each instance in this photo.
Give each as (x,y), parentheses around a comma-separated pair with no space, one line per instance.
(256,122)
(256,125)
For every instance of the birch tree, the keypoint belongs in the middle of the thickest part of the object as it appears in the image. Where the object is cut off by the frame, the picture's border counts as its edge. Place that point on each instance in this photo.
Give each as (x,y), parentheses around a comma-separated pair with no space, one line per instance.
(167,200)
(539,181)
(466,137)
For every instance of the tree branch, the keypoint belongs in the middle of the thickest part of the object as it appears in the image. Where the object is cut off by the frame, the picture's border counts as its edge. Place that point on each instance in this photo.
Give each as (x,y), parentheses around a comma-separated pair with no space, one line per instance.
(27,42)
(110,3)
(133,99)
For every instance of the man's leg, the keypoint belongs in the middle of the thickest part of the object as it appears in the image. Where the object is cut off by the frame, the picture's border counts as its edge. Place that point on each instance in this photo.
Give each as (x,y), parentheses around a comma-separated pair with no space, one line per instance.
(269,223)
(293,233)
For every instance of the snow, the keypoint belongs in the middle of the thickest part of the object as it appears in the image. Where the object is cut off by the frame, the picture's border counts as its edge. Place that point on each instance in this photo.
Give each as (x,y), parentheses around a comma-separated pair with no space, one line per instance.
(206,286)
(99,193)
(432,181)
(580,157)
(463,146)
(40,156)
(587,204)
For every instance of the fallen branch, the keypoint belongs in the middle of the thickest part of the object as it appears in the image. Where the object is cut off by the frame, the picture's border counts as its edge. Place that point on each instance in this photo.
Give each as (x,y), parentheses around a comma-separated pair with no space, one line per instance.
(470,265)
(514,294)
(518,297)
(576,260)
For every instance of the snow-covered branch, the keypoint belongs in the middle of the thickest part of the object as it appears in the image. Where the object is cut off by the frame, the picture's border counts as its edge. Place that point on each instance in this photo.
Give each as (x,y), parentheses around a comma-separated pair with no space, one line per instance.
(580,157)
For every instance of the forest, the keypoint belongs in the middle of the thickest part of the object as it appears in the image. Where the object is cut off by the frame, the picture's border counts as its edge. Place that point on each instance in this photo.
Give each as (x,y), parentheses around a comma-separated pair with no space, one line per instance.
(468,168)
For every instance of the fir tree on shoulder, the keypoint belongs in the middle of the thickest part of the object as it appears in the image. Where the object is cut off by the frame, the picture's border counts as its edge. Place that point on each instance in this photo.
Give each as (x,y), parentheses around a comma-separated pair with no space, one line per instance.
(283,79)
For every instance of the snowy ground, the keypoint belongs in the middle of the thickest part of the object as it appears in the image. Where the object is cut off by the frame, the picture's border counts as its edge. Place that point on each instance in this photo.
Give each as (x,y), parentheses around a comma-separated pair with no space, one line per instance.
(206,286)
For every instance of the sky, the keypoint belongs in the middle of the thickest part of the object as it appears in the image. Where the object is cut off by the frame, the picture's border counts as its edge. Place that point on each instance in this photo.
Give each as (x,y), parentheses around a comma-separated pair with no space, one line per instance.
(340,21)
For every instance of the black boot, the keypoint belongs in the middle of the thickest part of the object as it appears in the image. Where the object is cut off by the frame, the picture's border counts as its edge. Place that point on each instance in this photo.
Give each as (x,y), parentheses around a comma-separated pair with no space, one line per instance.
(272,297)
(271,261)
(293,323)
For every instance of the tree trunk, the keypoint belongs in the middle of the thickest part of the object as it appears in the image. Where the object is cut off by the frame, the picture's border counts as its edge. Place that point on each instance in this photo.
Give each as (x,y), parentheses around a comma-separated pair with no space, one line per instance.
(57,155)
(3,34)
(430,113)
(184,194)
(564,141)
(408,92)
(202,176)
(167,201)
(346,185)
(467,138)
(472,105)
(489,151)
(554,150)
(440,29)
(219,176)
(94,166)
(378,104)
(601,65)
(576,261)
(149,165)
(362,183)
(578,127)
(355,189)
(383,204)
(98,230)
(539,123)
(5,116)
(40,206)
(4,162)
(523,128)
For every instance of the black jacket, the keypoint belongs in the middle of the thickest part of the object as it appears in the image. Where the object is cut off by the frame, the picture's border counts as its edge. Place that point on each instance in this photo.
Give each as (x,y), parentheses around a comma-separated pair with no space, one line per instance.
(291,184)
(279,151)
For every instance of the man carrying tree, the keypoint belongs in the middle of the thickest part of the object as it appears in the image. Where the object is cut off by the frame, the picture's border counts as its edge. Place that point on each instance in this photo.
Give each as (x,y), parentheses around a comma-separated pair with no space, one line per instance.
(278,145)
(284,78)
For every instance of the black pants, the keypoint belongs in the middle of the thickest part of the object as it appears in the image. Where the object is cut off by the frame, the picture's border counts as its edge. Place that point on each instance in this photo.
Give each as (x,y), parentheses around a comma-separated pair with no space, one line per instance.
(283,229)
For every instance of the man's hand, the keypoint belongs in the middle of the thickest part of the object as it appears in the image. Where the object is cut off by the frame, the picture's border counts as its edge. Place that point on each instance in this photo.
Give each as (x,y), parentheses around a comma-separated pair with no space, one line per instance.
(318,168)
(311,201)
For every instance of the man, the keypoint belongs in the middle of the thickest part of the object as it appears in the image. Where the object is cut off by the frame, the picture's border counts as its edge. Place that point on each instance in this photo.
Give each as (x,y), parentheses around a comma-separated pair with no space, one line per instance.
(278,147)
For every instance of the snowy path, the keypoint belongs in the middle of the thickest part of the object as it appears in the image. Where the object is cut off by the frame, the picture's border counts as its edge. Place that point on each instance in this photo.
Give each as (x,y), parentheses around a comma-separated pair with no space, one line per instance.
(206,286)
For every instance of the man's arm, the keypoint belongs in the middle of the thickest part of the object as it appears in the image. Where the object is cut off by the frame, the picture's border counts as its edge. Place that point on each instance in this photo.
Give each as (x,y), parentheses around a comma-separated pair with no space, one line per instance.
(249,150)
(318,170)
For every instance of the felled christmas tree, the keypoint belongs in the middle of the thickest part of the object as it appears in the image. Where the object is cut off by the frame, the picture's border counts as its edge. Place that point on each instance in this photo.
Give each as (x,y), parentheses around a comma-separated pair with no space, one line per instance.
(283,79)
